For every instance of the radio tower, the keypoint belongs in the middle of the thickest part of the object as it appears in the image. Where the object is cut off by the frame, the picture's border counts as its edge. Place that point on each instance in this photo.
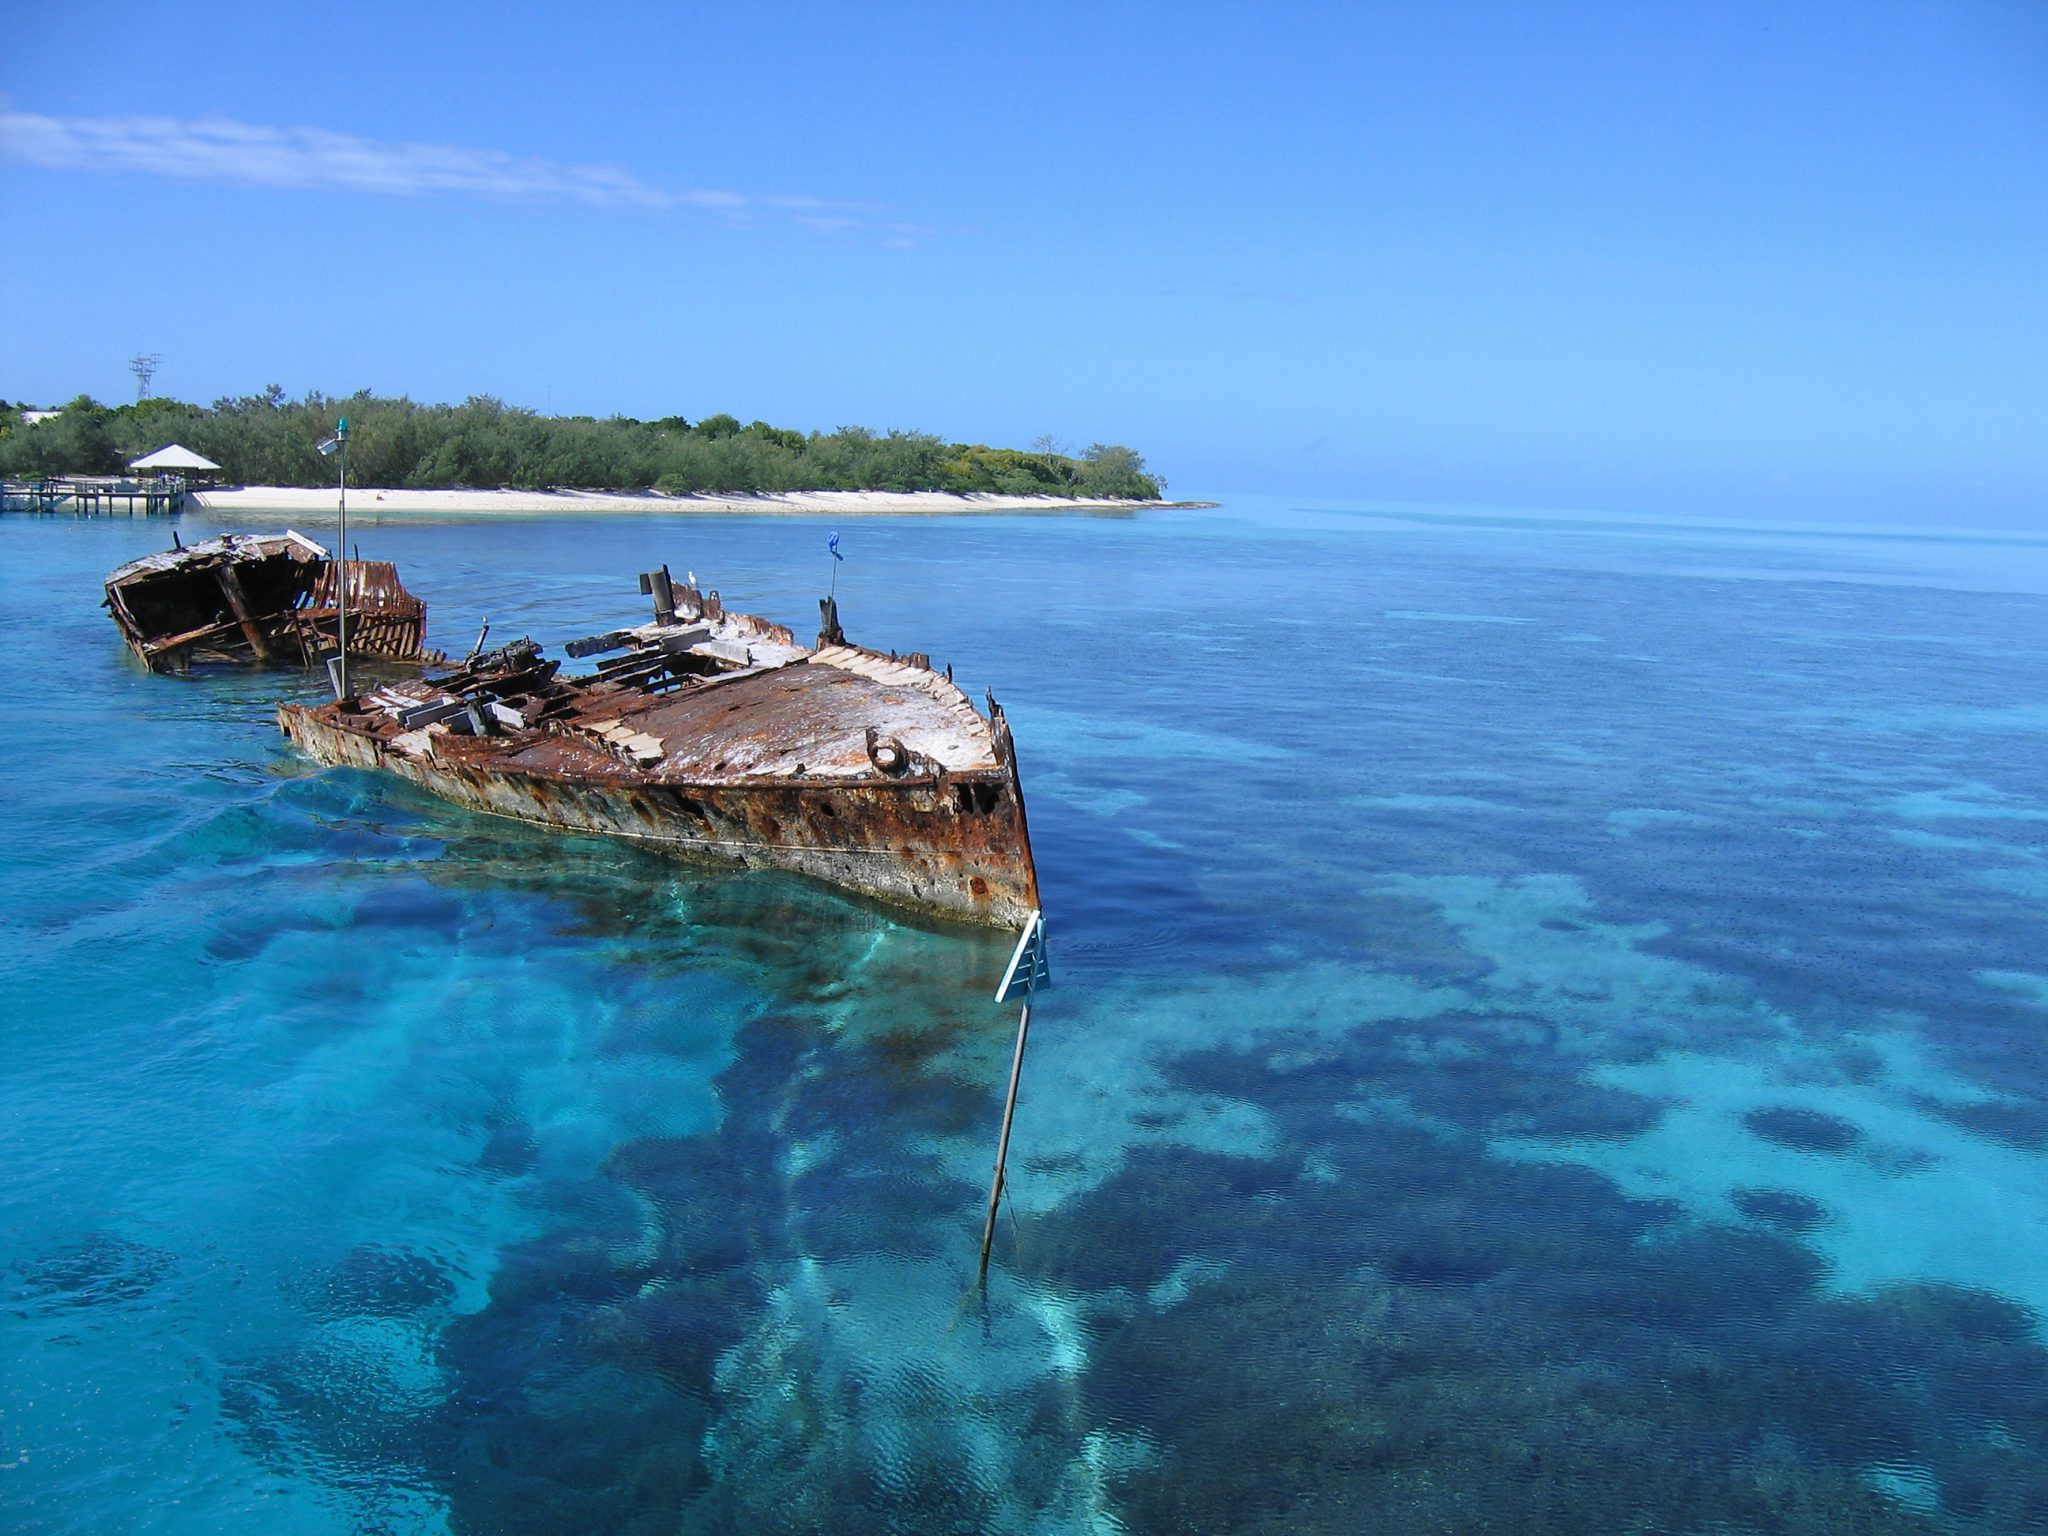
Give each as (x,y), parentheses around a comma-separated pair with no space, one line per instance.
(144,369)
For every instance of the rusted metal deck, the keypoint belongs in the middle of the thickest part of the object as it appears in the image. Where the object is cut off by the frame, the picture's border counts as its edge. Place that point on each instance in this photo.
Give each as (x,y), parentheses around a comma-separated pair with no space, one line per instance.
(716,735)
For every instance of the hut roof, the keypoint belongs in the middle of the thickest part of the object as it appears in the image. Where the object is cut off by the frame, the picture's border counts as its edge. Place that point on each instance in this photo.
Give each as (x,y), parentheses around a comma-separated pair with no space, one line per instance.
(172,456)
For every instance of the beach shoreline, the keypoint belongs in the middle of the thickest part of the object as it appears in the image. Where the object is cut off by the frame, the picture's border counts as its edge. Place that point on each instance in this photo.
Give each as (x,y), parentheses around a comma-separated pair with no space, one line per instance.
(300,499)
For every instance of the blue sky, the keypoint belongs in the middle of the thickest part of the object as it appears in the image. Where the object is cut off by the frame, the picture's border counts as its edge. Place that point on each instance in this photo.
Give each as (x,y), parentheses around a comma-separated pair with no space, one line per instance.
(1746,259)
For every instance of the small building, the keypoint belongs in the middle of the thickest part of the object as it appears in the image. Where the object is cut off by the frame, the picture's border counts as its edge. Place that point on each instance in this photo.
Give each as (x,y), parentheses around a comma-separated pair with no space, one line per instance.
(175,458)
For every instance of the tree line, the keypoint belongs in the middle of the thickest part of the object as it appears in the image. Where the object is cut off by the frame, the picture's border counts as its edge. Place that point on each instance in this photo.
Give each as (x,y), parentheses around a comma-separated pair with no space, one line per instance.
(483,443)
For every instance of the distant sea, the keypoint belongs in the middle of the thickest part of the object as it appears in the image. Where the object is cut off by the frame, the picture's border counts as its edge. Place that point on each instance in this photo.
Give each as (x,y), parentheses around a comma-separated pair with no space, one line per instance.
(1550,1034)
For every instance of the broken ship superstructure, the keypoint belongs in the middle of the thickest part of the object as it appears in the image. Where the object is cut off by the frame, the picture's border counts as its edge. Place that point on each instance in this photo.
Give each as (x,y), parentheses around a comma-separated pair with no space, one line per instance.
(260,597)
(716,734)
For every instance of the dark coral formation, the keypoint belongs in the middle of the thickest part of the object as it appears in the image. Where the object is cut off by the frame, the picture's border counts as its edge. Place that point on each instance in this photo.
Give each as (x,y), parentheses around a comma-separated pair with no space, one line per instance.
(1803,1130)
(1780,1208)
(1436,1341)
(98,1269)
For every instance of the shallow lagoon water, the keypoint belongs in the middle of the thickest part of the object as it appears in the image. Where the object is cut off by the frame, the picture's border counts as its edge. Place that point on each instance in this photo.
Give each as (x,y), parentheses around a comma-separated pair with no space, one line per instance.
(1548,1037)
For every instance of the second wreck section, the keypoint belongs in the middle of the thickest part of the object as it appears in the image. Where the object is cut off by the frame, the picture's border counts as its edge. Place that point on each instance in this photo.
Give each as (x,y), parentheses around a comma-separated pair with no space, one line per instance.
(717,734)
(248,598)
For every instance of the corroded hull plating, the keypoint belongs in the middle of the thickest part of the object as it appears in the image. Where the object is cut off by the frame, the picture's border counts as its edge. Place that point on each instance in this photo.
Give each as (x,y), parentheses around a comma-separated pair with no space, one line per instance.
(950,843)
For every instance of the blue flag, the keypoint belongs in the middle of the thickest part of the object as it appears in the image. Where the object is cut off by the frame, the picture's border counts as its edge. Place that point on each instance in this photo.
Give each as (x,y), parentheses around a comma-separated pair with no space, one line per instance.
(833,545)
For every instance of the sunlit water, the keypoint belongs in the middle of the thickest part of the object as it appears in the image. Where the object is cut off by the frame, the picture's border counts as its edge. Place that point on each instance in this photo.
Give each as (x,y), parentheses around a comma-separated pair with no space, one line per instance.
(1548,1036)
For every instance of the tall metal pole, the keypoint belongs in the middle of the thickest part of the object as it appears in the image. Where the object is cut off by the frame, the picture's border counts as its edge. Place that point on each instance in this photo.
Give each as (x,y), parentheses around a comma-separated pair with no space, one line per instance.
(341,586)
(995,1189)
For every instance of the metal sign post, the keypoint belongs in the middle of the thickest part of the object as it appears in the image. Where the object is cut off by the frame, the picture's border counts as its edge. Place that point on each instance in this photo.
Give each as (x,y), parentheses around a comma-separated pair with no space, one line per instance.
(1027,972)
(338,670)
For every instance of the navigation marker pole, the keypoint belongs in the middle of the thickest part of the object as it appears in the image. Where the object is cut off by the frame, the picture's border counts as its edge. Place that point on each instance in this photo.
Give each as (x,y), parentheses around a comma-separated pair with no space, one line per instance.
(337,669)
(1026,973)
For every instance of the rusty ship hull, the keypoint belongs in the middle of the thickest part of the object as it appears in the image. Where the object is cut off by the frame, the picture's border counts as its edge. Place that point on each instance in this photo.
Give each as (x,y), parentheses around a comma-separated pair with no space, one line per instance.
(713,735)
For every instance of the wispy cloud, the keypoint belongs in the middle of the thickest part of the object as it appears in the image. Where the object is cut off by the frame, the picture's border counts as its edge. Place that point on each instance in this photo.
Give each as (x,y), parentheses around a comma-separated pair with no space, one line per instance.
(220,150)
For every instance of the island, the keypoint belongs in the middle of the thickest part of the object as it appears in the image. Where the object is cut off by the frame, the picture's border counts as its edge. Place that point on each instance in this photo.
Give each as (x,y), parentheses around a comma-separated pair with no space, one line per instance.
(486,455)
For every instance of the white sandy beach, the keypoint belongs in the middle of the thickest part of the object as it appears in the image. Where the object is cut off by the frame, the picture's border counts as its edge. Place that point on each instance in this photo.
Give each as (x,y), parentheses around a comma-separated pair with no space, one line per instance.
(298,499)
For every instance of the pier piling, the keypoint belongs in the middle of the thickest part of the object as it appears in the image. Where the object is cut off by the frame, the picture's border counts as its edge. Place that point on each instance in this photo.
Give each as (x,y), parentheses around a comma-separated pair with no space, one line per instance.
(94,496)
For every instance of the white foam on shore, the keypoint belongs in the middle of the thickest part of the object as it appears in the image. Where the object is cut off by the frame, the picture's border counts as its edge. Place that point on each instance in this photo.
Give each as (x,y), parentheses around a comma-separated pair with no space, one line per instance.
(298,500)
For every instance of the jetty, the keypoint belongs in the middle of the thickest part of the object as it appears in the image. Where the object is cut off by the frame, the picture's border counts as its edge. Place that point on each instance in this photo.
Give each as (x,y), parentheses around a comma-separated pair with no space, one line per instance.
(158,491)
(95,496)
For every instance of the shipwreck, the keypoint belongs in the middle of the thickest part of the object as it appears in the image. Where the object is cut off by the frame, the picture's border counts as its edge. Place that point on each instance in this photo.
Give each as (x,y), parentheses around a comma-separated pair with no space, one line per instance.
(254,598)
(716,735)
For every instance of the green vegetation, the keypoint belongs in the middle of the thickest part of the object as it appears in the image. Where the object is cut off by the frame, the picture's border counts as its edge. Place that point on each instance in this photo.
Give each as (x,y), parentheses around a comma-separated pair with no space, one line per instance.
(483,443)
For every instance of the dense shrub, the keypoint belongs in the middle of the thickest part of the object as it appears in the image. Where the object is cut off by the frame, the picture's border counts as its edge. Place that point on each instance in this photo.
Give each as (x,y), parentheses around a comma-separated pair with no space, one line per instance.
(266,439)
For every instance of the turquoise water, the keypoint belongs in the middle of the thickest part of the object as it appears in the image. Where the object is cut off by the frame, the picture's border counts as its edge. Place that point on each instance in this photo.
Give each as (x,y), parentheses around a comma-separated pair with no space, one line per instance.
(1549,1037)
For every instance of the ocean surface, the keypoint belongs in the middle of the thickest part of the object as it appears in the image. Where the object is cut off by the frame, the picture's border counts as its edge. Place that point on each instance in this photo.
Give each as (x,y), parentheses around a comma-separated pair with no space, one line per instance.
(1548,1036)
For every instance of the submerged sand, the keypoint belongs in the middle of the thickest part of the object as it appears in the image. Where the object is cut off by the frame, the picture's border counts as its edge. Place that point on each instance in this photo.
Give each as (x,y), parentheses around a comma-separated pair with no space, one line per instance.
(296,499)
